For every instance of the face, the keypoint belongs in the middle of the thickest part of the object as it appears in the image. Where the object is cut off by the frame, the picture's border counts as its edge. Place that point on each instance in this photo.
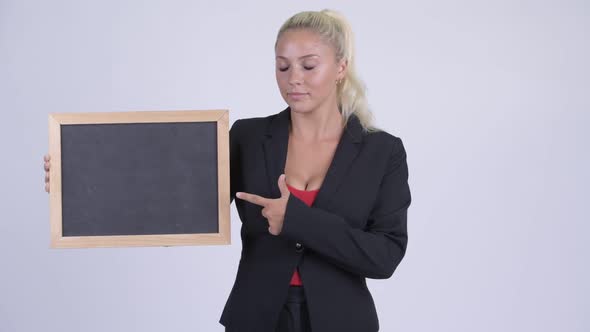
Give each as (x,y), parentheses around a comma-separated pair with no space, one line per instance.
(307,71)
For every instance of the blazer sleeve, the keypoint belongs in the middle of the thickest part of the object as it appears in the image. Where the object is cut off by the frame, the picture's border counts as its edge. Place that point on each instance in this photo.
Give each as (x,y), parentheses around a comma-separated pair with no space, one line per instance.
(234,160)
(373,252)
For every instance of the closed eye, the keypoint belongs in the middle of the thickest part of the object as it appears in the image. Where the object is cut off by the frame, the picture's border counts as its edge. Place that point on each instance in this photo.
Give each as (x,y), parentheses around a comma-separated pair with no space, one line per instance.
(305,67)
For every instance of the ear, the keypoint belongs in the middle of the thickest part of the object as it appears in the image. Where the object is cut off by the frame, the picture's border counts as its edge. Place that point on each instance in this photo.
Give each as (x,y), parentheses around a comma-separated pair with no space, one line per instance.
(342,69)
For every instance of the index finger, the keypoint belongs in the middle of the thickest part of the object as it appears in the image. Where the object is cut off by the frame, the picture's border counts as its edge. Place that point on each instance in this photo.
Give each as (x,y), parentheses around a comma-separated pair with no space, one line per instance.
(252,198)
(46,157)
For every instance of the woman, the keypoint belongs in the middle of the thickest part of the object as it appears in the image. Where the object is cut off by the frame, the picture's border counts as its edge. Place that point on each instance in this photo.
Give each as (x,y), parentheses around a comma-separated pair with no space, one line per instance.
(322,194)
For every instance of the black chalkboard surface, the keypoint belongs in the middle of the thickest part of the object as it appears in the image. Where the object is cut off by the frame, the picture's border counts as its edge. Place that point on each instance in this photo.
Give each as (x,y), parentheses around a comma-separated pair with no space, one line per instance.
(139,179)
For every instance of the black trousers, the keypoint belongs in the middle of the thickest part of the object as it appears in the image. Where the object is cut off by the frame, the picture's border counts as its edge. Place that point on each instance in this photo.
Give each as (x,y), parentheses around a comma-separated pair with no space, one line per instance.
(294,316)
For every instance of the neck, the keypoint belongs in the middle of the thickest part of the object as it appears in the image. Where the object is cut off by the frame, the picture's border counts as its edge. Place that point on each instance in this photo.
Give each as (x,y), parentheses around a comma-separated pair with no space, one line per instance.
(317,125)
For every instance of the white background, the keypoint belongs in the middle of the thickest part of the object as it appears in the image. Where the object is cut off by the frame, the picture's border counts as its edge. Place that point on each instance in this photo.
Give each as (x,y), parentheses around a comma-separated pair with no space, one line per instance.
(491,99)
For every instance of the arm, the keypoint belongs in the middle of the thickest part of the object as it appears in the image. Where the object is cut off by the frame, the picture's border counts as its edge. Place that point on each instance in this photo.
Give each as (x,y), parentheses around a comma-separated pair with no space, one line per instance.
(373,252)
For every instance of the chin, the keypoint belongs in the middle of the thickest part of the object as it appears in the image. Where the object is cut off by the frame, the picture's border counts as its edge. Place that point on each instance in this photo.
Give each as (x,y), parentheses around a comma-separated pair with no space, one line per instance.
(300,108)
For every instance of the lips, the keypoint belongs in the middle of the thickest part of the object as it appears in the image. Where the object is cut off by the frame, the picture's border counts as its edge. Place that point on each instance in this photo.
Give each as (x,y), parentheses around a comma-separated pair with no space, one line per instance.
(296,95)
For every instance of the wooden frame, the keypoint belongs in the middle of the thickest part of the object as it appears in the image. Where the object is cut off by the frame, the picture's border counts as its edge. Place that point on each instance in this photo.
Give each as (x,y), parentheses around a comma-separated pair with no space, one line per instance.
(55,196)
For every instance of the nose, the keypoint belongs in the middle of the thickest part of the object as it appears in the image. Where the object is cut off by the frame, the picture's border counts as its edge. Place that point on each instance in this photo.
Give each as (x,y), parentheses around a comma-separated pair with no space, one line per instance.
(295,76)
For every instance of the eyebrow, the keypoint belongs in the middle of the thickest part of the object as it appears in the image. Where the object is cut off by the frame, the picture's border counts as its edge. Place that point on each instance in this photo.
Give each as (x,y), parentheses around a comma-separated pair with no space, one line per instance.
(302,57)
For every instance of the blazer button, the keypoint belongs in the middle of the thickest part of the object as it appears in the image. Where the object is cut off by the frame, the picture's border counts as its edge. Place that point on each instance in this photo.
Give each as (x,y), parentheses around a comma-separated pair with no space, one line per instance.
(298,247)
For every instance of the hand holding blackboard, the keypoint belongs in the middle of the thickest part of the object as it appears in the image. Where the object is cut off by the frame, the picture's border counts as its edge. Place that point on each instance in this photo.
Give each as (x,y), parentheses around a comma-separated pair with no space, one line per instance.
(47,165)
(107,190)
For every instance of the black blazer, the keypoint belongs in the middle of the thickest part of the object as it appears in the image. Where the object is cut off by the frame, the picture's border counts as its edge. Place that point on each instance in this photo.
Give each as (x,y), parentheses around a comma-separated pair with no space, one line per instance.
(355,229)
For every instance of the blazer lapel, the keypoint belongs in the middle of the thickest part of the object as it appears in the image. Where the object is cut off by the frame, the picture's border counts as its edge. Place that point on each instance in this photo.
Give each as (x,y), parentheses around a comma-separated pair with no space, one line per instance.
(275,152)
(275,149)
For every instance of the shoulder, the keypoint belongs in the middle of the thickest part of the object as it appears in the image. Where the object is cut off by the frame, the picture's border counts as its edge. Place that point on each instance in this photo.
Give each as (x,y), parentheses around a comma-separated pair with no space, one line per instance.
(384,141)
(387,150)
(252,124)
(250,128)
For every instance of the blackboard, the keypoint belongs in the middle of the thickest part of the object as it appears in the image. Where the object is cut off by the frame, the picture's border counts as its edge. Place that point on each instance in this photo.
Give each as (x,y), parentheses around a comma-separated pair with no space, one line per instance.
(139,178)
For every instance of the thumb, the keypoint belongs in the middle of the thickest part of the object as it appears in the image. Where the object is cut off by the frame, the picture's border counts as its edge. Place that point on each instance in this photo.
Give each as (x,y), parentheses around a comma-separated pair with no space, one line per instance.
(283,186)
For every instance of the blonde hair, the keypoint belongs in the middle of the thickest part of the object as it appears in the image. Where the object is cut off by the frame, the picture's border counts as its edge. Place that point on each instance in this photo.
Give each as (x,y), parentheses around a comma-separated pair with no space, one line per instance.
(334,29)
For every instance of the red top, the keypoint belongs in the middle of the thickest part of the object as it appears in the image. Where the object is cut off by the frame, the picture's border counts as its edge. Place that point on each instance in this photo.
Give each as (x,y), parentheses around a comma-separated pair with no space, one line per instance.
(307,196)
